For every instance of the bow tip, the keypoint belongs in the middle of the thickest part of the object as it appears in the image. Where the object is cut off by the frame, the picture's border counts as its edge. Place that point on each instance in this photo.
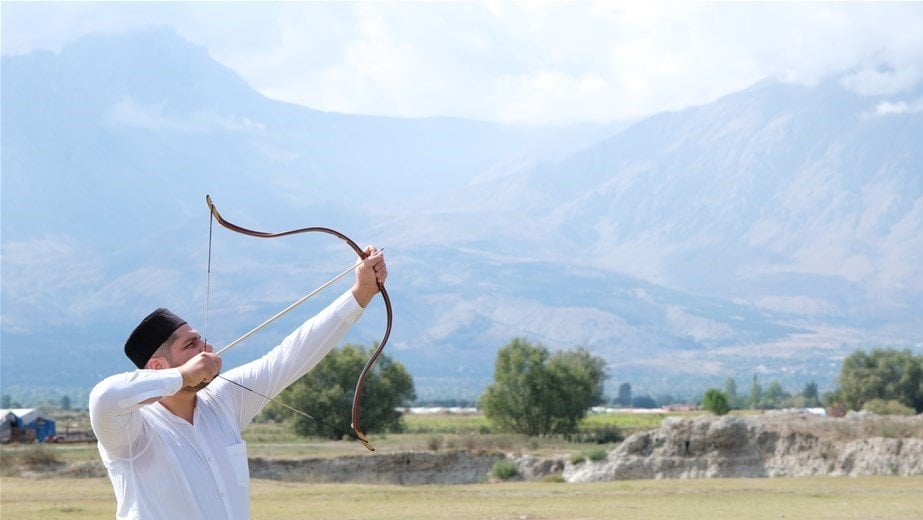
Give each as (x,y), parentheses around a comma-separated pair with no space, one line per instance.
(361,438)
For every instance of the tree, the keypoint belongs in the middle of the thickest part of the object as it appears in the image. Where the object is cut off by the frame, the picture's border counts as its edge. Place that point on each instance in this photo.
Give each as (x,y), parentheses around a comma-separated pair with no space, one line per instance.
(624,398)
(716,401)
(326,392)
(667,399)
(886,374)
(65,403)
(579,376)
(644,401)
(538,393)
(775,395)
(810,394)
(756,393)
(730,390)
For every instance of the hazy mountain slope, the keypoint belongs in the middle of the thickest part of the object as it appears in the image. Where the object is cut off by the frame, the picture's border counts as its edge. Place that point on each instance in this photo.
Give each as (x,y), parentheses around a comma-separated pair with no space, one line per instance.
(770,232)
(108,150)
(778,195)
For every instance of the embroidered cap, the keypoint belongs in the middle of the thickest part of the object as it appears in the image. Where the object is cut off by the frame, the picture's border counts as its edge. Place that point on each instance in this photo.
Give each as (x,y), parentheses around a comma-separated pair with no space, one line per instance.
(150,334)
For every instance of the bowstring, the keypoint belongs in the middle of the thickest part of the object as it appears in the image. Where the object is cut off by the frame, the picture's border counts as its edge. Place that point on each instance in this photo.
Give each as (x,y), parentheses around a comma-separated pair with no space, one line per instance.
(296,410)
(208,273)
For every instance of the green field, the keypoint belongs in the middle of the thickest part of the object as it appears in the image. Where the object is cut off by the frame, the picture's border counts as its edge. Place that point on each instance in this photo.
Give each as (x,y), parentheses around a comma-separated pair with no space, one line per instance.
(840,498)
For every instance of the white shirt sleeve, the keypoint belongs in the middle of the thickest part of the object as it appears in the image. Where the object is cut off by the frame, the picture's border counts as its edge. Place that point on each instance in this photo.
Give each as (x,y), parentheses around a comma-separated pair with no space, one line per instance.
(298,353)
(115,401)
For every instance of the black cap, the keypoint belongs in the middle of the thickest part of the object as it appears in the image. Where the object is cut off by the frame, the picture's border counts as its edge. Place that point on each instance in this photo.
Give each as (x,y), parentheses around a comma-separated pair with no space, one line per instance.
(150,334)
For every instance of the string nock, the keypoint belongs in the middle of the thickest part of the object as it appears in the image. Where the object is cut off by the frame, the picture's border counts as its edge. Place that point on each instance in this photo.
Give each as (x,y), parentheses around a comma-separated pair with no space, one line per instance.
(211,206)
(361,438)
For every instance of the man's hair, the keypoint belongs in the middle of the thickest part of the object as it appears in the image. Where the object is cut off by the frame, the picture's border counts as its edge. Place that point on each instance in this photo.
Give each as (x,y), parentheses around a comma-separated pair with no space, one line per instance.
(164,349)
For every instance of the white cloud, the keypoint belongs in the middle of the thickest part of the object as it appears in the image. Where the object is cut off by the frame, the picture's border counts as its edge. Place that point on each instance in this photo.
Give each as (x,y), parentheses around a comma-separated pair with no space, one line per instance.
(870,81)
(529,62)
(887,108)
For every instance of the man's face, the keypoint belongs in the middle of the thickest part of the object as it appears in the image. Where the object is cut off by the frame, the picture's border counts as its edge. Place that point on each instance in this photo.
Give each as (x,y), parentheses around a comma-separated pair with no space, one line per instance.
(187,344)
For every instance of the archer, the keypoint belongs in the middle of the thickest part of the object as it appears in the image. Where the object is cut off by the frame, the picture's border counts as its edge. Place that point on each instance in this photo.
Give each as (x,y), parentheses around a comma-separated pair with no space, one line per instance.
(170,432)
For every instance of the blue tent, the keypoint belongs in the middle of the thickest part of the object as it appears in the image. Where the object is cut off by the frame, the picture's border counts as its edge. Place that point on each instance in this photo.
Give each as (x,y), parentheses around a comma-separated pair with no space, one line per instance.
(31,423)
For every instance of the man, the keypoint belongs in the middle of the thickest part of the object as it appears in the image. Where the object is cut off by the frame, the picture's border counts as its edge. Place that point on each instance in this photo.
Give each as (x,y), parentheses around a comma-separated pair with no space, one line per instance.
(169,433)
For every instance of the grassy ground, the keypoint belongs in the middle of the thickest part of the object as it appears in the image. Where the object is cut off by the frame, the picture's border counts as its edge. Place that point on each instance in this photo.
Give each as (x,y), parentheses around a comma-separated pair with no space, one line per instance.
(434,432)
(52,495)
(424,432)
(840,498)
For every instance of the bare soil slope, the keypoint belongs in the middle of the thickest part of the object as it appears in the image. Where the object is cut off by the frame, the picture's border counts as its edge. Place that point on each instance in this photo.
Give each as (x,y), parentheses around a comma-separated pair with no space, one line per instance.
(768,445)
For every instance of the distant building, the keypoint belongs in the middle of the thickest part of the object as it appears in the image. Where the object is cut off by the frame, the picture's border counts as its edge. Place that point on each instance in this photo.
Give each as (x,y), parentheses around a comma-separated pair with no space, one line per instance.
(25,425)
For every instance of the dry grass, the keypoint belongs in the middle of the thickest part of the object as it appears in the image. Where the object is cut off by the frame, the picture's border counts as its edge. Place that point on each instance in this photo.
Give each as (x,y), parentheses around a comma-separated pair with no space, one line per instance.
(841,498)
(846,429)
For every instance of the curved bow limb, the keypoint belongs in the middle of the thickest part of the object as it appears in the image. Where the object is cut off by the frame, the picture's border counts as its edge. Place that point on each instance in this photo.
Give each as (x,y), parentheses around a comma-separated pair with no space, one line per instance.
(360,383)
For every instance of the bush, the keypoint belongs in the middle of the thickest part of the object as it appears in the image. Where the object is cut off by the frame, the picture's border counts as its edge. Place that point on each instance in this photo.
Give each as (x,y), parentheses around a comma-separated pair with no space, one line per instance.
(434,442)
(597,454)
(504,469)
(602,434)
(577,458)
(39,456)
(553,477)
(716,402)
(35,457)
(888,407)
(594,454)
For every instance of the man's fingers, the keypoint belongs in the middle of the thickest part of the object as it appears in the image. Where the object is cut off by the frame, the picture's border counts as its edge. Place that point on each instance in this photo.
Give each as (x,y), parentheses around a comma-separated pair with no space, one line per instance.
(202,368)
(376,261)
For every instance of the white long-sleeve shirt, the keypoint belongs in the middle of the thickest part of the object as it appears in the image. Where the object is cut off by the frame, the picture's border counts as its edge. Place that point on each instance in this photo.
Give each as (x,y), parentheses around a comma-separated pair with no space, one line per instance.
(163,467)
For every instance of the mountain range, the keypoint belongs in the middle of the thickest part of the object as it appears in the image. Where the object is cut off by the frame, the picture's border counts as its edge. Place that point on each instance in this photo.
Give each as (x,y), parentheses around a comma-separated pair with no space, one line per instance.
(770,232)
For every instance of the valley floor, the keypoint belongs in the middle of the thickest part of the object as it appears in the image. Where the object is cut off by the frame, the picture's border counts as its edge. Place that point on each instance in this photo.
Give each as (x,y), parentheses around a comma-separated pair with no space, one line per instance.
(816,497)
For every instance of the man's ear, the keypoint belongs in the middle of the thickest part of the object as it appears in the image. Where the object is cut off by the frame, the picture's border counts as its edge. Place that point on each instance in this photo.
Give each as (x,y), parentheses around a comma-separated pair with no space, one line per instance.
(157,363)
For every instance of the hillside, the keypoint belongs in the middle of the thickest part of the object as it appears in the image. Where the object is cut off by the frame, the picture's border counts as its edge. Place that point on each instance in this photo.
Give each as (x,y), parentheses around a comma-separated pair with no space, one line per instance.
(770,232)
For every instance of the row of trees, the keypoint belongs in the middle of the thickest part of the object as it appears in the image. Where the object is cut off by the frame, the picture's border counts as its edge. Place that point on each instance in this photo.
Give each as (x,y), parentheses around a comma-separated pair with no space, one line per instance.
(537,392)
(883,380)
(626,398)
(773,396)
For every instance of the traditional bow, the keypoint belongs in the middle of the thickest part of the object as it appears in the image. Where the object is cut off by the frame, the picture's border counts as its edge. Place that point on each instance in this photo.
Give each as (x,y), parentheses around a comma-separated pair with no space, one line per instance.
(362,255)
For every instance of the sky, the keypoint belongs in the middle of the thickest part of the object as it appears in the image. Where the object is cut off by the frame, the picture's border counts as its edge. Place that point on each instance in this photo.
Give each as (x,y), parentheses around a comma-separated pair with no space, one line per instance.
(535,63)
